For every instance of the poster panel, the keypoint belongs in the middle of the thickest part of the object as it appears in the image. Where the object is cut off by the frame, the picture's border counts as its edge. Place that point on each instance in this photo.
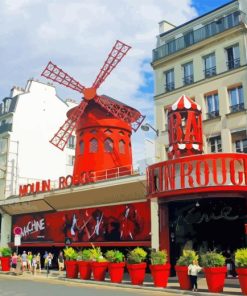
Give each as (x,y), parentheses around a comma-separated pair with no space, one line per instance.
(127,222)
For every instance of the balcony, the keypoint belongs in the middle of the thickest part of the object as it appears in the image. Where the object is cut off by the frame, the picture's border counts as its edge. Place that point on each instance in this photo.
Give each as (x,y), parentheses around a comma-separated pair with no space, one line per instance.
(237,107)
(209,30)
(209,72)
(188,79)
(213,114)
(232,64)
(6,127)
(169,86)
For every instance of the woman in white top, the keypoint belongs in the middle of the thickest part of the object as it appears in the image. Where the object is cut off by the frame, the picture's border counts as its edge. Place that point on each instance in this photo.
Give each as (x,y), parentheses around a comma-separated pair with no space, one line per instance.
(193,270)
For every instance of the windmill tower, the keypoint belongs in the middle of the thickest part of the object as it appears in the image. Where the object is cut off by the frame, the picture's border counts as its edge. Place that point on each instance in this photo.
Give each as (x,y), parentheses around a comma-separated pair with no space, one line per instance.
(102,124)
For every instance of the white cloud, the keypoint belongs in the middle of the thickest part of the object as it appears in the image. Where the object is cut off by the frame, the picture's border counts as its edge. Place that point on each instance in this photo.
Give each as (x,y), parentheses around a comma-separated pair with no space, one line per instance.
(77,35)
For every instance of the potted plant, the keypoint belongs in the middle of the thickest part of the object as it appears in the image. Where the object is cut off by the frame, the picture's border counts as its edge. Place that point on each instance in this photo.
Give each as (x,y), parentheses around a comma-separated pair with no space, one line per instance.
(116,265)
(136,265)
(5,258)
(99,264)
(214,266)
(71,263)
(181,267)
(159,267)
(241,264)
(84,264)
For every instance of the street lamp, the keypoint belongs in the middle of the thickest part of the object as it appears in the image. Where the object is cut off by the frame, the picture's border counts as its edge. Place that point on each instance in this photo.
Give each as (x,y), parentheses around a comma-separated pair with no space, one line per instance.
(147,126)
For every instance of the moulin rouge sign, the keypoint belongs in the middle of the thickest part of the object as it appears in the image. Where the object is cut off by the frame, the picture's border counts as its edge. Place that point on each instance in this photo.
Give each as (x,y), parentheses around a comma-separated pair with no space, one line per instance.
(63,183)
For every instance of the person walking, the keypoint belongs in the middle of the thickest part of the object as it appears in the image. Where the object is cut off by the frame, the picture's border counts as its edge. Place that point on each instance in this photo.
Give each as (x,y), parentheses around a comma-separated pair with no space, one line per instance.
(19,266)
(60,261)
(24,260)
(14,262)
(38,261)
(193,270)
(49,263)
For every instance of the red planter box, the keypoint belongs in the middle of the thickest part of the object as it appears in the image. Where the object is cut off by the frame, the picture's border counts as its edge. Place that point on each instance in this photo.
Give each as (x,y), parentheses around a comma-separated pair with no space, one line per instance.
(160,274)
(116,272)
(5,261)
(99,270)
(215,277)
(137,273)
(242,277)
(85,269)
(183,278)
(71,269)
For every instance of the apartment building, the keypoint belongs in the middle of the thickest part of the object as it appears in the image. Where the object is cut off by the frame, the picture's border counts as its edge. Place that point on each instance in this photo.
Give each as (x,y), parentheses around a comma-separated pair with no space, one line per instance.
(28,119)
(205,59)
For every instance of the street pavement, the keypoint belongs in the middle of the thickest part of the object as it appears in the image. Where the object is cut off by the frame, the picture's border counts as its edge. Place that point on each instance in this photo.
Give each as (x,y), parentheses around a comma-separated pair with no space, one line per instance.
(57,284)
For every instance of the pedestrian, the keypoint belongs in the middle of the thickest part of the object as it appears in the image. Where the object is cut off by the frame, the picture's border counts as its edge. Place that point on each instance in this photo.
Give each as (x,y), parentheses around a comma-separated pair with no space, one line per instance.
(60,261)
(34,265)
(29,261)
(14,262)
(45,261)
(19,267)
(38,260)
(193,270)
(24,261)
(48,262)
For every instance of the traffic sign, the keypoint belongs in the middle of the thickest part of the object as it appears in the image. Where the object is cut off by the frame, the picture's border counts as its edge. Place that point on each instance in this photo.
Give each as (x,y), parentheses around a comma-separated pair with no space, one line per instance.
(17,240)
(17,230)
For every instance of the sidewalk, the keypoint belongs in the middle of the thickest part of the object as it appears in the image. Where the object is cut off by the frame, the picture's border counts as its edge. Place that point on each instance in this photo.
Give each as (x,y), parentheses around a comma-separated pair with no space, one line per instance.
(231,284)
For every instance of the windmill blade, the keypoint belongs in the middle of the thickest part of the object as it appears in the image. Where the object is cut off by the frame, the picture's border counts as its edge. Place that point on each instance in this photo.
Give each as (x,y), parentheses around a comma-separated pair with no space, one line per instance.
(56,74)
(61,138)
(121,111)
(118,51)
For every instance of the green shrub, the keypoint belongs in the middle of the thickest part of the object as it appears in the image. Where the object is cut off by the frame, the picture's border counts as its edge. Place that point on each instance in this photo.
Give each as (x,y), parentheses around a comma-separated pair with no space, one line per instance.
(241,258)
(96,255)
(70,253)
(6,252)
(158,257)
(114,256)
(136,255)
(212,259)
(84,255)
(187,258)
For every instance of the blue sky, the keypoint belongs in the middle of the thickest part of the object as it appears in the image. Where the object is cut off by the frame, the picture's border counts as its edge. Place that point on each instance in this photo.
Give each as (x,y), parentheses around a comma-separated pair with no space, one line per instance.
(77,35)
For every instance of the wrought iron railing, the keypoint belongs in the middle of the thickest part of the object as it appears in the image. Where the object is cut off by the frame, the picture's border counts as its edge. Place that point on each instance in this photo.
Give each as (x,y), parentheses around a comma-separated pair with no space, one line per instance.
(212,114)
(237,107)
(232,64)
(210,72)
(188,79)
(169,86)
(198,35)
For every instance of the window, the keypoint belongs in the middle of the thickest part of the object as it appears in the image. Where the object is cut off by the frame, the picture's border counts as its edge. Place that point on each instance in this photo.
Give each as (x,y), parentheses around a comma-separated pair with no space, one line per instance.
(6,104)
(71,142)
(236,97)
(81,147)
(215,144)
(233,57)
(212,102)
(189,38)
(121,146)
(209,65)
(71,159)
(188,73)
(241,146)
(108,131)
(93,131)
(93,146)
(169,80)
(108,145)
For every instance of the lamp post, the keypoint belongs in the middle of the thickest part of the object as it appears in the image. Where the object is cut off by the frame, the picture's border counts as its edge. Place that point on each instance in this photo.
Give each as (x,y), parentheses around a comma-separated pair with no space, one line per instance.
(147,126)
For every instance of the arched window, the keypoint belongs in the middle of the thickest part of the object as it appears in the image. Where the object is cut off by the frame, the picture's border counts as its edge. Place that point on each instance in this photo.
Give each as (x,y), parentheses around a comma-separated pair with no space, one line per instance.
(108,145)
(108,131)
(93,145)
(81,147)
(121,145)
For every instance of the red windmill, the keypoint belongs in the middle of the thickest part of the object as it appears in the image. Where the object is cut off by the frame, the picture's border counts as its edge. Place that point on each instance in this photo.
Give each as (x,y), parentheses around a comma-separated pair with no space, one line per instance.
(103,125)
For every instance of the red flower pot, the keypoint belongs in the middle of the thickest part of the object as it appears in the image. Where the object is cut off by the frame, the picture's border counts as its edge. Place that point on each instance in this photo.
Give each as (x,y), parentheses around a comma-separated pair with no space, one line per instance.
(99,270)
(183,278)
(215,277)
(71,269)
(5,261)
(242,276)
(85,269)
(116,271)
(137,273)
(160,274)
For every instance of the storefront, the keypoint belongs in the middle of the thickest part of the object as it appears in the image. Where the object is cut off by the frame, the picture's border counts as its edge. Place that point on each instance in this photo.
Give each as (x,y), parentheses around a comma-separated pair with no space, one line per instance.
(201,198)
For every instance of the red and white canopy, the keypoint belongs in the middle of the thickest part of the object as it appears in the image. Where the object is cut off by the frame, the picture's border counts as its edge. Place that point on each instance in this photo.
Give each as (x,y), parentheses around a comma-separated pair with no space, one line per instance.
(185,103)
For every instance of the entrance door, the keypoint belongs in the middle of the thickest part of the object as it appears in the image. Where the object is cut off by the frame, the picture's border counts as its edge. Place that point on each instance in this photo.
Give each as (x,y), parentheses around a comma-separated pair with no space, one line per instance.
(206,224)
